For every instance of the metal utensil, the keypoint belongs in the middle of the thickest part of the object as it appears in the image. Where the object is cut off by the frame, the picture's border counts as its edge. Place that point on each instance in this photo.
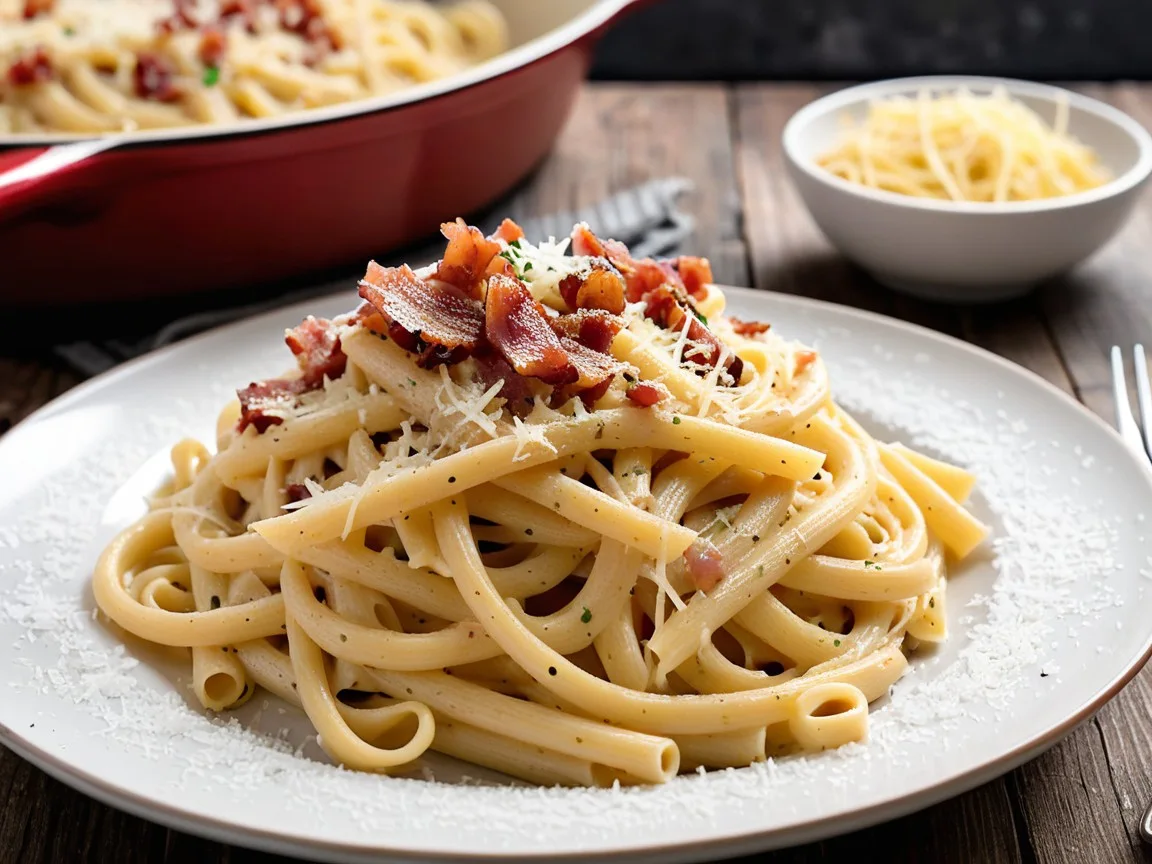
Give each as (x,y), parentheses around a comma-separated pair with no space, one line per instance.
(1138,437)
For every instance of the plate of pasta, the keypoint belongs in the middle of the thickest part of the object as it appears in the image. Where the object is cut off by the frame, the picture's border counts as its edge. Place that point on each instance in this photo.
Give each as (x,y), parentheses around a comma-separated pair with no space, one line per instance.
(545,550)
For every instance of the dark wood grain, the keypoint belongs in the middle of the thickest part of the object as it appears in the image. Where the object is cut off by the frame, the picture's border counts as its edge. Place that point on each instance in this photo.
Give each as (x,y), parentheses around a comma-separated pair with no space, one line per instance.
(623,135)
(1105,302)
(1079,802)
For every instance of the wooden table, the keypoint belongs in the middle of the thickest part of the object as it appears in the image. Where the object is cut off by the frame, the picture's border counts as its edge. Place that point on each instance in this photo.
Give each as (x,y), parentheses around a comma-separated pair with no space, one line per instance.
(1079,802)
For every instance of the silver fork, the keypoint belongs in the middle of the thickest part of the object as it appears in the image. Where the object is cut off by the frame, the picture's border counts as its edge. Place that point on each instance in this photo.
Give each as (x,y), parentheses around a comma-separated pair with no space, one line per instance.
(1138,440)
(1138,437)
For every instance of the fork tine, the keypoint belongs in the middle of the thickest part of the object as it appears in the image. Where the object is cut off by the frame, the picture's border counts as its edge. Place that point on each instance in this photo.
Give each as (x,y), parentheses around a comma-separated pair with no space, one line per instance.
(1143,394)
(1125,422)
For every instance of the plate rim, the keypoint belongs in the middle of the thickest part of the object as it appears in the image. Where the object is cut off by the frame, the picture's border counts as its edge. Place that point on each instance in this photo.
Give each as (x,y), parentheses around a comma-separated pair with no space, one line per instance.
(902,804)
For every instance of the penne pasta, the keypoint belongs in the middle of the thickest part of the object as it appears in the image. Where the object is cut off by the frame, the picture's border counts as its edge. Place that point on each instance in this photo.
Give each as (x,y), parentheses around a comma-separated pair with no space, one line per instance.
(510,512)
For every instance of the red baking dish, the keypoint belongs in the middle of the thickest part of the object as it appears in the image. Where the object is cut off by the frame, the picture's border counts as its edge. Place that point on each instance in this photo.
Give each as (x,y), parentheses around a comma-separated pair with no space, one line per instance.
(213,207)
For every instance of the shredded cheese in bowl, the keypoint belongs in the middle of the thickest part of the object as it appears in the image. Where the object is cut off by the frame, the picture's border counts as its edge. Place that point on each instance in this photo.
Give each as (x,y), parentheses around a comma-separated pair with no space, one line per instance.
(964,146)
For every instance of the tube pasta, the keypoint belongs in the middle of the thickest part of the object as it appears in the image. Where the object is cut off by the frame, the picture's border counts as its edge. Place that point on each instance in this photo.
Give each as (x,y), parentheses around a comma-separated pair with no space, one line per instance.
(701,562)
(84,66)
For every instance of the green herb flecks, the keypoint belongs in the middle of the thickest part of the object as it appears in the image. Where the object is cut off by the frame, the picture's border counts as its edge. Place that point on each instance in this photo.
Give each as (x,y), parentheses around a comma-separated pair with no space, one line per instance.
(211,76)
(587,616)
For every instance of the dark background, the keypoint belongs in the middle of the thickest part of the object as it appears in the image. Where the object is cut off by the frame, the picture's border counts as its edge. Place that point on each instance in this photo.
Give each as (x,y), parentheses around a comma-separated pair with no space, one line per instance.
(838,39)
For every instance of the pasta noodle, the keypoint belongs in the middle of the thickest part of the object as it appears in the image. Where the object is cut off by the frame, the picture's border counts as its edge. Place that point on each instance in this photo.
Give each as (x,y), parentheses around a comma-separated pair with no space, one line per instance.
(93,66)
(964,147)
(534,508)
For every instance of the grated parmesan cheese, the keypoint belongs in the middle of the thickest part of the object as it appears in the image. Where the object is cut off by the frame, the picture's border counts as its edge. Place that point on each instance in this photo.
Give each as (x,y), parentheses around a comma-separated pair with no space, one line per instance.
(1044,541)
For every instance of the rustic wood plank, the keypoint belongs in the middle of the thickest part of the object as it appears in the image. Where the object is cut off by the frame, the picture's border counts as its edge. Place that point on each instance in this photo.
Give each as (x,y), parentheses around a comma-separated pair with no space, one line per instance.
(1126,737)
(1070,803)
(621,135)
(976,826)
(44,822)
(1104,302)
(25,385)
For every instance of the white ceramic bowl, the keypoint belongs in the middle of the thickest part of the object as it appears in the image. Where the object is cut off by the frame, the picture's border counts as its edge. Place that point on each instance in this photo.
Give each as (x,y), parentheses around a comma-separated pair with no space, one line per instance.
(967,251)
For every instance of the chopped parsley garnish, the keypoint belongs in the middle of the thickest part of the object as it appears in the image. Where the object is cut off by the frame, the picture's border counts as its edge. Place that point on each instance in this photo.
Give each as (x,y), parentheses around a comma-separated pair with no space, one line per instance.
(871,564)
(587,616)
(411,382)
(639,471)
(675,421)
(68,31)
(699,316)
(836,642)
(211,76)
(527,266)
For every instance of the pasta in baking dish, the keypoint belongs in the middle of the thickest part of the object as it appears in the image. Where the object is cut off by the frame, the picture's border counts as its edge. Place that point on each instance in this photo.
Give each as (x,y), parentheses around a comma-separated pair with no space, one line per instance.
(552,511)
(93,66)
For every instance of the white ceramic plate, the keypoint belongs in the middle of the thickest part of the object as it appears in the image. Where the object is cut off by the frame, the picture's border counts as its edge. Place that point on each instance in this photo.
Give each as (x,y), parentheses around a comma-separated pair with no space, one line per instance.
(1046,624)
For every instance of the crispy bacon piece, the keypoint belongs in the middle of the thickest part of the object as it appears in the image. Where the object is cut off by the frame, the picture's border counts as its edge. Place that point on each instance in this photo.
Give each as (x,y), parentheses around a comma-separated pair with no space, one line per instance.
(704,348)
(183,17)
(245,10)
(33,8)
(603,288)
(803,359)
(592,328)
(590,396)
(432,318)
(213,44)
(705,565)
(749,328)
(584,242)
(593,368)
(256,398)
(517,326)
(31,68)
(695,273)
(516,390)
(509,232)
(501,265)
(153,78)
(317,349)
(306,18)
(467,257)
(645,394)
(297,492)
(319,355)
(550,349)
(667,302)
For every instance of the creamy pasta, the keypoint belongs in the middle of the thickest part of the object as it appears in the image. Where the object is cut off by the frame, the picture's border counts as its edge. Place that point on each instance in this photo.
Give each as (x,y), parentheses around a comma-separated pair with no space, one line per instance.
(99,66)
(552,511)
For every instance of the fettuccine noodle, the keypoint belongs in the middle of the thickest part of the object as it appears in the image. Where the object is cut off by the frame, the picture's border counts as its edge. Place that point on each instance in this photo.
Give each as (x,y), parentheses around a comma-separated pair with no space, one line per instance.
(553,512)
